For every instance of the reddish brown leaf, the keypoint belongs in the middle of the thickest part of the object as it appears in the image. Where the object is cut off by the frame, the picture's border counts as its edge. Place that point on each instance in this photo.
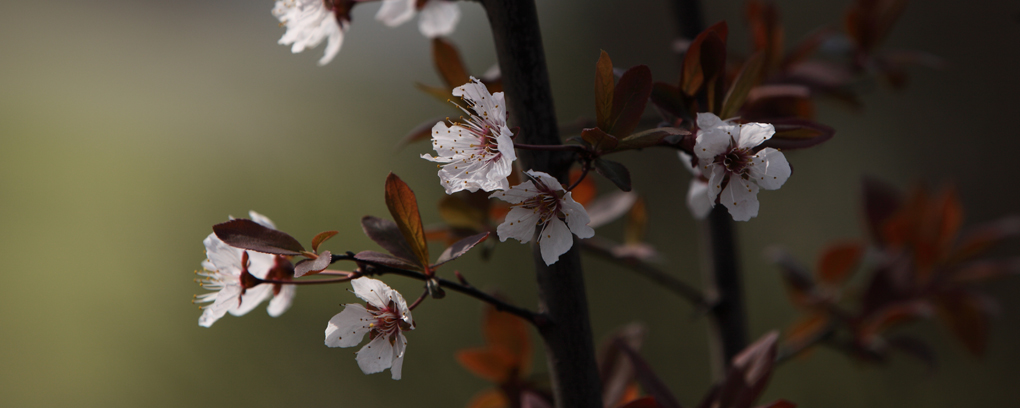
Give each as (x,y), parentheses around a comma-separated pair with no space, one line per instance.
(599,139)
(387,259)
(891,316)
(986,270)
(979,239)
(310,266)
(766,31)
(486,363)
(838,261)
(779,404)
(387,234)
(615,368)
(604,87)
(649,381)
(669,99)
(881,202)
(247,234)
(615,172)
(966,316)
(748,77)
(459,248)
(424,130)
(713,67)
(322,237)
(404,208)
(629,99)
(692,77)
(493,398)
(508,335)
(749,373)
(584,192)
(808,328)
(646,402)
(448,63)
(795,133)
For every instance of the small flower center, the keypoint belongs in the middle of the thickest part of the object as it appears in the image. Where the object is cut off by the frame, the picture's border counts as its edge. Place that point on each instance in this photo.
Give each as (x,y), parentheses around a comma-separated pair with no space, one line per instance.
(388,321)
(736,160)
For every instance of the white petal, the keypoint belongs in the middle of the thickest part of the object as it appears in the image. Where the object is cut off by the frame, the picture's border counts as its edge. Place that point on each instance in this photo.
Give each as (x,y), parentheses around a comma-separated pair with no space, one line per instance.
(395,12)
(251,298)
(376,356)
(715,179)
(545,179)
(753,134)
(741,198)
(517,194)
(347,328)
(224,258)
(226,299)
(519,224)
(438,18)
(713,138)
(555,240)
(373,291)
(261,219)
(770,169)
(398,356)
(698,199)
(686,160)
(259,264)
(708,120)
(476,92)
(281,301)
(334,40)
(577,217)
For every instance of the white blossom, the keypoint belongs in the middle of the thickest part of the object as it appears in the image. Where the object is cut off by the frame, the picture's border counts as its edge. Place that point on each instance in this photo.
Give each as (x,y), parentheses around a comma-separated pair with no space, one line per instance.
(697,193)
(309,22)
(478,151)
(728,155)
(221,273)
(438,17)
(385,318)
(543,202)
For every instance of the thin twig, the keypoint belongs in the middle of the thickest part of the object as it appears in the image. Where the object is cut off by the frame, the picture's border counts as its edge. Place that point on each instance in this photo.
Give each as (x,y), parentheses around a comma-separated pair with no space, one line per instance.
(375,268)
(681,288)
(424,295)
(584,172)
(551,148)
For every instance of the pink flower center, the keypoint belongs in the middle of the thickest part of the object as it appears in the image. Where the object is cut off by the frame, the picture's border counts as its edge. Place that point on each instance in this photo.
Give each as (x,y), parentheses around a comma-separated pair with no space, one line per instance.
(736,160)
(388,321)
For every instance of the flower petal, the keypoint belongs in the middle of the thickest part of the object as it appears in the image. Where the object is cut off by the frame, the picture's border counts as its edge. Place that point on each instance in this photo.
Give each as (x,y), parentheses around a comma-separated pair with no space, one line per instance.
(716,174)
(395,12)
(484,104)
(517,194)
(770,169)
(376,356)
(261,220)
(546,180)
(438,18)
(741,198)
(555,240)
(348,328)
(754,134)
(226,299)
(251,298)
(698,199)
(282,301)
(519,224)
(577,217)
(685,159)
(375,292)
(398,356)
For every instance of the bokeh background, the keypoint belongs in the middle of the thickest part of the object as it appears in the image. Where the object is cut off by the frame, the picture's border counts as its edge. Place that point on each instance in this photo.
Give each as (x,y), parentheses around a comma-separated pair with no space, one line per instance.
(129,127)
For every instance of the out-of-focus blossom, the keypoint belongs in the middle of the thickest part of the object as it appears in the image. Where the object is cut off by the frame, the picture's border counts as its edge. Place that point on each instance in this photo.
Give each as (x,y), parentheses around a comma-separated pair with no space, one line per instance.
(309,22)
(222,275)
(438,17)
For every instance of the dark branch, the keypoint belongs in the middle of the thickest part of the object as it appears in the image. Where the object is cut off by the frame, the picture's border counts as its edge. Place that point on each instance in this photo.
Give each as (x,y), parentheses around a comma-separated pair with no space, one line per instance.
(681,288)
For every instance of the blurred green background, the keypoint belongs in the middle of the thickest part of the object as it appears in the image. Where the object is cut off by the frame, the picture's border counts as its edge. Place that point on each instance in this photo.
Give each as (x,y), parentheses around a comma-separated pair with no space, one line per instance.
(128,128)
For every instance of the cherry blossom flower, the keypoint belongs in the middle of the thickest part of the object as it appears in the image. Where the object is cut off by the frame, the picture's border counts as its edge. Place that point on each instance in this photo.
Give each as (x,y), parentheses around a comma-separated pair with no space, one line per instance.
(479,151)
(697,194)
(309,22)
(438,17)
(728,154)
(222,275)
(385,318)
(542,201)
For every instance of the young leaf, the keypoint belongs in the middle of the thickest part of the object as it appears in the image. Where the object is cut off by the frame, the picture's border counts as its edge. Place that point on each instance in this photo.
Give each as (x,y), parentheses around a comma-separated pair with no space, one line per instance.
(747,78)
(713,67)
(448,63)
(404,209)
(838,261)
(966,315)
(615,172)
(669,99)
(629,100)
(307,266)
(750,373)
(652,137)
(460,248)
(585,191)
(881,201)
(387,234)
(779,404)
(615,368)
(604,85)
(322,237)
(247,234)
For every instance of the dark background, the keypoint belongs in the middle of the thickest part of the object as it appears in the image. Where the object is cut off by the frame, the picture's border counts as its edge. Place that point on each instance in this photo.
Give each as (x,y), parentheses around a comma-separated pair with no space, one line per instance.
(127,128)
